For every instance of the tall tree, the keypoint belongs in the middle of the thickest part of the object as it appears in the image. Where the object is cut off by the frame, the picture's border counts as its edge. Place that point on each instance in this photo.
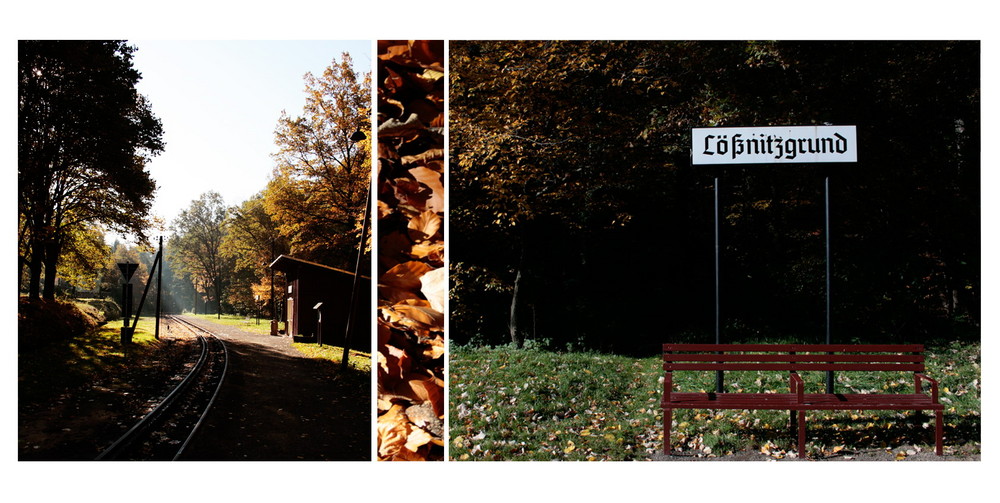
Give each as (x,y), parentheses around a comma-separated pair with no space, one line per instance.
(545,146)
(571,174)
(252,242)
(320,184)
(196,244)
(84,138)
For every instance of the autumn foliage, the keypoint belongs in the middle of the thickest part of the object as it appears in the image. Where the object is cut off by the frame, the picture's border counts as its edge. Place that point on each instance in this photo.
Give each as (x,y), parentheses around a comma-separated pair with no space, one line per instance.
(412,277)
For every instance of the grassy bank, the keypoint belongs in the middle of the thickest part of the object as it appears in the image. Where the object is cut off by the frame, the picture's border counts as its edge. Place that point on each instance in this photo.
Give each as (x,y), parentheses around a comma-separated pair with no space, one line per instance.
(96,356)
(248,324)
(356,360)
(531,404)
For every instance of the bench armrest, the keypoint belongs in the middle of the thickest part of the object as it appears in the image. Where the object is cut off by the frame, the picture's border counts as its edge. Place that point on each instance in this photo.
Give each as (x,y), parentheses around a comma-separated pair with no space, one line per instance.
(934,385)
(797,386)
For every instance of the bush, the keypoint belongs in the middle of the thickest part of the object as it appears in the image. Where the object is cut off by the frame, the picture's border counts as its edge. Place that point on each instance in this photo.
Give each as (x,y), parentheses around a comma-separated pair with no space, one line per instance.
(45,320)
(110,310)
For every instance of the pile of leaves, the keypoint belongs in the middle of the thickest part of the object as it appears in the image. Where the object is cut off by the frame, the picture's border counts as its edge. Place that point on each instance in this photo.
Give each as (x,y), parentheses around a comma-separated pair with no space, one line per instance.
(412,279)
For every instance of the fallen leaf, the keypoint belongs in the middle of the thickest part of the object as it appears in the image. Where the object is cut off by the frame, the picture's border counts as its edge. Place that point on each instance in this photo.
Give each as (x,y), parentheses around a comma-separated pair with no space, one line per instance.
(434,286)
(405,276)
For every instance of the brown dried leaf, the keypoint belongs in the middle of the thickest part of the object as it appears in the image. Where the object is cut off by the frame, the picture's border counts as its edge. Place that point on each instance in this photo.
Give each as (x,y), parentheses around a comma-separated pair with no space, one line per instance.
(393,431)
(405,276)
(429,390)
(434,154)
(417,439)
(417,317)
(433,180)
(412,194)
(425,227)
(432,253)
(434,286)
(390,296)
(435,349)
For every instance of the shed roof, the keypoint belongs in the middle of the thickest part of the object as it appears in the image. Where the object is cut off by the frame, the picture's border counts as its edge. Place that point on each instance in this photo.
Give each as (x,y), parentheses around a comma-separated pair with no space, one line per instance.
(285,263)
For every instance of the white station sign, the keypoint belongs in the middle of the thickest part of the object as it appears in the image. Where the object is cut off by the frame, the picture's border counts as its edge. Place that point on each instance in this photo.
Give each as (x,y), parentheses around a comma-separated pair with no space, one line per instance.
(774,144)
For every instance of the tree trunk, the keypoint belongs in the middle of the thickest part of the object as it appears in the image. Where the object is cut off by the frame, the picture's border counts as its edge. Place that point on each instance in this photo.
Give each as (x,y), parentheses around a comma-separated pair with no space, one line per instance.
(218,298)
(518,308)
(51,258)
(522,302)
(35,271)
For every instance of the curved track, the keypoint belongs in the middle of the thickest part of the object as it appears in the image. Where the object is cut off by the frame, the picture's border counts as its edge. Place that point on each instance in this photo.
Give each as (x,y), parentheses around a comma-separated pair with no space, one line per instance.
(165,432)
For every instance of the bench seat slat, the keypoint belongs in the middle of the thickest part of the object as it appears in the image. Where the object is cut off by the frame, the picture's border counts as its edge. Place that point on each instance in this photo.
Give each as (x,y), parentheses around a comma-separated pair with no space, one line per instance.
(676,357)
(775,401)
(912,367)
(870,401)
(785,401)
(849,348)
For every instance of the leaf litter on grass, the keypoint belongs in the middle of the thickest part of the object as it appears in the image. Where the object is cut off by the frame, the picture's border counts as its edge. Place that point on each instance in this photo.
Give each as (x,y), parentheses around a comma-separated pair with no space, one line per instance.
(509,404)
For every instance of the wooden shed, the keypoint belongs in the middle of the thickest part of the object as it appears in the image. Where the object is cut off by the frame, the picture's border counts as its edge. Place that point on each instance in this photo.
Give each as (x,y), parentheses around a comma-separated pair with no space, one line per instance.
(317,302)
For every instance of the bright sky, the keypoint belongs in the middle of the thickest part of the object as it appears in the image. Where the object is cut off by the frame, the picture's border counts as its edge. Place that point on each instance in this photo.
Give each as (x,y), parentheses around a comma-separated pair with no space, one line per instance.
(219,102)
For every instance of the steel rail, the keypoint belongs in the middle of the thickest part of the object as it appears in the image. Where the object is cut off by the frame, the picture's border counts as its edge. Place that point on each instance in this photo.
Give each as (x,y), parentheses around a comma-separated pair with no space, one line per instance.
(215,393)
(154,415)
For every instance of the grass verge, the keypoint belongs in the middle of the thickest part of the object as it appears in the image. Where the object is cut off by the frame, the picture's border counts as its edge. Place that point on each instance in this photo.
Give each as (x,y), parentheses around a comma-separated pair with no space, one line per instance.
(244,323)
(531,404)
(78,361)
(356,360)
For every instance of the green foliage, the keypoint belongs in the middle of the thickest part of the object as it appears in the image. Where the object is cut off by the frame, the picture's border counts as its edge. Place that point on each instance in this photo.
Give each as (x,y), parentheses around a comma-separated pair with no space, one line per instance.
(251,241)
(84,137)
(532,404)
(84,256)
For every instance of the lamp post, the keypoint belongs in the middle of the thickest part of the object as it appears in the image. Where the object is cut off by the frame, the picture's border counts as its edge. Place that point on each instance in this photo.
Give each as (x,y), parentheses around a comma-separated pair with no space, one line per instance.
(356,137)
(256,305)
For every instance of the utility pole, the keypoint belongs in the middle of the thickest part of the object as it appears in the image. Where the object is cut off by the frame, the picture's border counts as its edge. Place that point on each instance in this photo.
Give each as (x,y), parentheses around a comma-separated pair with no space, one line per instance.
(159,289)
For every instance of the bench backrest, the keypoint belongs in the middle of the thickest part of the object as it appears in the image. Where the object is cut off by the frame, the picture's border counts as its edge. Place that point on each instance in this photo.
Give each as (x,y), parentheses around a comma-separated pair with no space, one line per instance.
(794,357)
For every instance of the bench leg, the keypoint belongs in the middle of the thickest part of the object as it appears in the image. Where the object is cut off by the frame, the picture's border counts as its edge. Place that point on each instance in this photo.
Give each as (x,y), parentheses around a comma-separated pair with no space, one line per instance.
(668,417)
(939,433)
(802,434)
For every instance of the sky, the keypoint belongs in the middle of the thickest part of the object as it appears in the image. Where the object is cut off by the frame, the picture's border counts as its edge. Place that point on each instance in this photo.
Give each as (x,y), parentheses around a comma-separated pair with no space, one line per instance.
(219,102)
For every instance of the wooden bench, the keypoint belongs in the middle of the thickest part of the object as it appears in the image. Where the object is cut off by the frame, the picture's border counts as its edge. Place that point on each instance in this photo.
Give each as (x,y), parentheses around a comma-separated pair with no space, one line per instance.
(794,358)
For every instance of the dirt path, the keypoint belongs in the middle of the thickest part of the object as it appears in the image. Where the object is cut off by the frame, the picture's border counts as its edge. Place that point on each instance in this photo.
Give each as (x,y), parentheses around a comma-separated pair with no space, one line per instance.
(278,405)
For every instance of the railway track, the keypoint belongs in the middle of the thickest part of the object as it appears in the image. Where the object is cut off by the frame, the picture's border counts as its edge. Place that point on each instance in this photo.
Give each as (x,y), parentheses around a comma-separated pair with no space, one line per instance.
(165,432)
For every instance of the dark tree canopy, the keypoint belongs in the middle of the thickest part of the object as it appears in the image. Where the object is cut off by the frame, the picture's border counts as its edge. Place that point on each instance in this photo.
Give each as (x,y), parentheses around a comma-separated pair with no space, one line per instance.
(576,215)
(84,137)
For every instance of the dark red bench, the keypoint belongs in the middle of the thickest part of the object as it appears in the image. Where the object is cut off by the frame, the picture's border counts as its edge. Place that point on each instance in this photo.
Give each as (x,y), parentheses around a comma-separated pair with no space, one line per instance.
(794,358)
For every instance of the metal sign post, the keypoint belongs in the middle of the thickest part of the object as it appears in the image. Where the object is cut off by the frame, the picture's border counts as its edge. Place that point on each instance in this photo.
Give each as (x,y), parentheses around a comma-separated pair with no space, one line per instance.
(319,323)
(718,318)
(774,145)
(127,269)
(826,230)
